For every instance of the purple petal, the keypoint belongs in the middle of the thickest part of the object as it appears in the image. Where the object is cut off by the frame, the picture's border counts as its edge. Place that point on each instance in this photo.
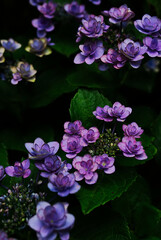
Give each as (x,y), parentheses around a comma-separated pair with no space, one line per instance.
(69,222)
(26,164)
(45,231)
(92,180)
(42,205)
(110,170)
(79,58)
(35,223)
(27,173)
(10,171)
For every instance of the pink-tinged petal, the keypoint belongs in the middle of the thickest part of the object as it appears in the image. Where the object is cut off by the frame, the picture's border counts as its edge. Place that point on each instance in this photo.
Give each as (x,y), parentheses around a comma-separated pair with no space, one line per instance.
(110,170)
(79,58)
(26,164)
(122,146)
(42,205)
(27,173)
(45,231)
(35,223)
(78,176)
(10,171)
(93,180)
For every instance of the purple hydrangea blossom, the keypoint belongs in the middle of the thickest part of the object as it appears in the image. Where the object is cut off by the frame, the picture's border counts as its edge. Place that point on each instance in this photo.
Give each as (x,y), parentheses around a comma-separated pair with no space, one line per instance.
(40,150)
(119,111)
(36,2)
(25,71)
(153,46)
(71,145)
(118,60)
(133,51)
(105,163)
(92,27)
(102,114)
(89,136)
(63,183)
(73,128)
(132,130)
(132,148)
(75,9)
(86,168)
(20,169)
(121,14)
(10,45)
(38,46)
(91,51)
(4,236)
(2,172)
(47,9)
(51,164)
(43,25)
(50,221)
(149,25)
(95,2)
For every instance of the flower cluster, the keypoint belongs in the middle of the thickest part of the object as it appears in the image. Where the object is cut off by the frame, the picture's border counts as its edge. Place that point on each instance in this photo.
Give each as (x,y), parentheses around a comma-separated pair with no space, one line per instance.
(121,47)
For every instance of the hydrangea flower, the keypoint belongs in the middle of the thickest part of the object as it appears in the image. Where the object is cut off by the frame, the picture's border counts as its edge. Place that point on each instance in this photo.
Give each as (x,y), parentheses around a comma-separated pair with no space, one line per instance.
(20,169)
(86,168)
(75,9)
(38,46)
(73,128)
(10,44)
(121,14)
(148,25)
(90,52)
(105,163)
(92,27)
(119,111)
(133,51)
(102,114)
(23,70)
(39,149)
(2,58)
(63,183)
(132,130)
(51,220)
(153,46)
(71,145)
(89,136)
(4,236)
(95,2)
(47,9)
(118,60)
(51,164)
(36,2)
(43,25)
(2,172)
(132,148)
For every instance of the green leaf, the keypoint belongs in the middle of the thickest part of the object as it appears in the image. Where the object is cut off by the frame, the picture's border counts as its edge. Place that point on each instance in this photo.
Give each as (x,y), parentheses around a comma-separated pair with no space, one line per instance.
(3,155)
(156,4)
(106,189)
(84,103)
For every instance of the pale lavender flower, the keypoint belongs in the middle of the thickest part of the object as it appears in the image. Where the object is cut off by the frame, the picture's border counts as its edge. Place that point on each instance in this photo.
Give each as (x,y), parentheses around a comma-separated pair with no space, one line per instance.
(132,148)
(133,51)
(105,163)
(132,130)
(47,9)
(119,111)
(23,70)
(20,169)
(121,14)
(43,25)
(92,27)
(73,128)
(149,25)
(71,145)
(153,46)
(40,150)
(91,51)
(2,172)
(89,136)
(86,168)
(51,164)
(51,220)
(102,114)
(10,44)
(39,47)
(63,183)
(36,2)
(95,2)
(118,60)
(75,9)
